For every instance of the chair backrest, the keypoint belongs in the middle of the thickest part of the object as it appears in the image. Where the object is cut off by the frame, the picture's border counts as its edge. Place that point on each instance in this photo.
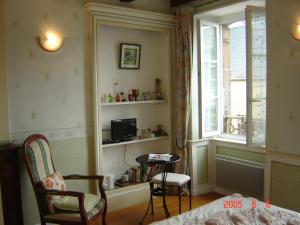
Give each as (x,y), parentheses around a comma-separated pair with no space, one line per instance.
(38,157)
(39,164)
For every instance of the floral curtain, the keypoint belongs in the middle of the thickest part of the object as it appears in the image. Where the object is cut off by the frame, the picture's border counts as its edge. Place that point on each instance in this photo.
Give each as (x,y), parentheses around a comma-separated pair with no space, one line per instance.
(184,52)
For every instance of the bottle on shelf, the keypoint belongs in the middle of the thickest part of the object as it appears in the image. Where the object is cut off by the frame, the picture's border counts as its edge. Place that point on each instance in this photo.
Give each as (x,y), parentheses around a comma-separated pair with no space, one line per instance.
(104,98)
(117,98)
(158,89)
(110,98)
(123,97)
(130,97)
(115,90)
(143,133)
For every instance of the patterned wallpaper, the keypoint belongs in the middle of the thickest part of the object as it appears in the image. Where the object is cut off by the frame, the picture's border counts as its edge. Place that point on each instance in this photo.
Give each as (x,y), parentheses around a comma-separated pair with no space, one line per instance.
(283,103)
(3,91)
(48,92)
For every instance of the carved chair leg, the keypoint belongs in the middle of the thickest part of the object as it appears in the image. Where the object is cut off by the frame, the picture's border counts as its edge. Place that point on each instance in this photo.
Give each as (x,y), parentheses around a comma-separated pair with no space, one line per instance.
(179,198)
(190,193)
(151,197)
(104,214)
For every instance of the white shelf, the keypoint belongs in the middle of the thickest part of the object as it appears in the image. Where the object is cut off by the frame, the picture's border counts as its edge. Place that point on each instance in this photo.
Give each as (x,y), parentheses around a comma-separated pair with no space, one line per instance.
(134,141)
(133,102)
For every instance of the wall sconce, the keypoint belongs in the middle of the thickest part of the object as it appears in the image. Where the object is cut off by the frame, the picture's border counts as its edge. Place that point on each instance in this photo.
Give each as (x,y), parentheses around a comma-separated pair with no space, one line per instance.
(296,31)
(50,41)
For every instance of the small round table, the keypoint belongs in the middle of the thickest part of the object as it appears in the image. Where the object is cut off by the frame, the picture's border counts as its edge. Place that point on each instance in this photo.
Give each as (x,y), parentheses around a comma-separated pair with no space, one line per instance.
(144,159)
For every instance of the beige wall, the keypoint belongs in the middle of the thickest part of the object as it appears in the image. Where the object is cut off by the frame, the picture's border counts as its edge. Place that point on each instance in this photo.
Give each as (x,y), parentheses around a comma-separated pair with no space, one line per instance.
(50,93)
(3,94)
(3,89)
(47,92)
(283,105)
(285,185)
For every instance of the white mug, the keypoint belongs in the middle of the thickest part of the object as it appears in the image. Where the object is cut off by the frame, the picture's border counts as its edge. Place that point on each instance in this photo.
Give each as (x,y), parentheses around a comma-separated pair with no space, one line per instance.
(110,181)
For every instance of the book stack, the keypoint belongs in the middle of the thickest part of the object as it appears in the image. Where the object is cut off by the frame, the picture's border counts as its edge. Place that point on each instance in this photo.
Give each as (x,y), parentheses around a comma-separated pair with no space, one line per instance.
(134,175)
(149,172)
(159,157)
(140,174)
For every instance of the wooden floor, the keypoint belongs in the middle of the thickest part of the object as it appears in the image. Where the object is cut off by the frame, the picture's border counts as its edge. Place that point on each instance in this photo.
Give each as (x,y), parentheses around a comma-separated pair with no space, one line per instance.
(133,215)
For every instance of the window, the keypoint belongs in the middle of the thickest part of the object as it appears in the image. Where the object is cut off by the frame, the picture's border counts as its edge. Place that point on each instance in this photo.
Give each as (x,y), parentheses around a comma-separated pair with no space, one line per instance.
(210,67)
(233,77)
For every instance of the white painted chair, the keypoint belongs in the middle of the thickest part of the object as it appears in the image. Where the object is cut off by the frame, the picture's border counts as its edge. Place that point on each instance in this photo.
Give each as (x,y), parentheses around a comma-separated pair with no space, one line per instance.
(174,180)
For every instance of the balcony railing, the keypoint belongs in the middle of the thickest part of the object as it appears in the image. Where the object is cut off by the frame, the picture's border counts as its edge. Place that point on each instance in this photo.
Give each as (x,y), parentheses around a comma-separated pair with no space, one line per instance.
(235,125)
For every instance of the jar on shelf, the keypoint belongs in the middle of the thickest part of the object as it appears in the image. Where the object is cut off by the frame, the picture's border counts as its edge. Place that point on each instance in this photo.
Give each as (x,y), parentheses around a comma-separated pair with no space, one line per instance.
(110,98)
(104,98)
(117,98)
(143,133)
(130,97)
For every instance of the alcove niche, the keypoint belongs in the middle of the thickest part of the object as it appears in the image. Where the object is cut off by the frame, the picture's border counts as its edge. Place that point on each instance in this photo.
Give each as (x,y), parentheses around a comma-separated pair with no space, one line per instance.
(109,27)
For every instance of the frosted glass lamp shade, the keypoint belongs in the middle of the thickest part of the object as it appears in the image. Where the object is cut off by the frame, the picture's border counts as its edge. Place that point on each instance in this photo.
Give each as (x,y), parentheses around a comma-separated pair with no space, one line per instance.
(296,32)
(50,41)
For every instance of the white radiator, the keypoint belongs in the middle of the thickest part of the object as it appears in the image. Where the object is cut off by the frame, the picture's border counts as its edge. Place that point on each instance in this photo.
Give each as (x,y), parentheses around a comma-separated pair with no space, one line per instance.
(236,175)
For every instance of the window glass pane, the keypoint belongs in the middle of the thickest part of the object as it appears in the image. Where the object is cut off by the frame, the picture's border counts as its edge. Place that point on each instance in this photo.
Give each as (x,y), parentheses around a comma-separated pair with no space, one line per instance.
(211,72)
(234,78)
(258,98)
(209,78)
(209,38)
(211,116)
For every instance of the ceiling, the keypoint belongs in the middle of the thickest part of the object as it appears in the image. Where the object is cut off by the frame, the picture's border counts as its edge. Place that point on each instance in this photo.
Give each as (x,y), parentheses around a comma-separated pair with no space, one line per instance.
(179,2)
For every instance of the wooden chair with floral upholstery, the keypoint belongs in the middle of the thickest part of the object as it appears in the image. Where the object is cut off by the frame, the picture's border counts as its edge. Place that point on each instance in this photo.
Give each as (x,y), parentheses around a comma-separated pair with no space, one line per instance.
(55,203)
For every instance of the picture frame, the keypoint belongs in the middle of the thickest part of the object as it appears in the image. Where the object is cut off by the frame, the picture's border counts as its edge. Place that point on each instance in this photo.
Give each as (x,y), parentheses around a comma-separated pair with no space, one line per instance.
(130,56)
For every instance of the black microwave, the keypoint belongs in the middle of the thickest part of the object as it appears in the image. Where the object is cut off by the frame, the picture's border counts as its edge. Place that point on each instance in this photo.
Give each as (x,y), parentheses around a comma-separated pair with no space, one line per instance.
(123,130)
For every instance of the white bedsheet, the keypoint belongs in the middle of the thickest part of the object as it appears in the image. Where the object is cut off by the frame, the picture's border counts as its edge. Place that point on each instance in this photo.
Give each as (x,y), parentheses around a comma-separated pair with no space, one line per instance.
(235,210)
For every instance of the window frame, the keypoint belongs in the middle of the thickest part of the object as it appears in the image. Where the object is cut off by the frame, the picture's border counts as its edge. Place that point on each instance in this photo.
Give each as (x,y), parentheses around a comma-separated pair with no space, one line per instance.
(250,100)
(222,135)
(219,62)
(219,132)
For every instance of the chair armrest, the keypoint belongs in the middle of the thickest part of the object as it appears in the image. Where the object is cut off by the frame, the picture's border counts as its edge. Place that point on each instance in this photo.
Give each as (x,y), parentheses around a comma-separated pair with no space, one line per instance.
(64,193)
(82,177)
(79,195)
(87,177)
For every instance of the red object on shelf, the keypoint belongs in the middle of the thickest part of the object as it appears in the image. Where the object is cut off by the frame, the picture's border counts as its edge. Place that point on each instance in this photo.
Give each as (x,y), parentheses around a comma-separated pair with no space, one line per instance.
(118,98)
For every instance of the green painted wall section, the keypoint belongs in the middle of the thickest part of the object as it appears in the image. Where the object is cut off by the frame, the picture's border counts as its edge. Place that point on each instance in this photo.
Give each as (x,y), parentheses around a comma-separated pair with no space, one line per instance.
(202,156)
(72,156)
(285,186)
(241,154)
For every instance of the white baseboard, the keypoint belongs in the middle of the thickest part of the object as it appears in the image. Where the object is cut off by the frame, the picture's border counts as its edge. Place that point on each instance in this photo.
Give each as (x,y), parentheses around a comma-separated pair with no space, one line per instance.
(202,189)
(222,191)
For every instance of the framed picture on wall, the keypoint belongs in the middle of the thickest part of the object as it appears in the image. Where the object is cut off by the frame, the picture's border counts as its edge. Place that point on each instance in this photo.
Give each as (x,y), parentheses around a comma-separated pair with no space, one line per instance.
(130,55)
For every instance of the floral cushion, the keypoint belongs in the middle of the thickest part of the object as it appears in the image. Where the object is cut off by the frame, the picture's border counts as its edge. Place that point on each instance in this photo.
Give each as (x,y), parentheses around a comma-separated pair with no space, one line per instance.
(54,182)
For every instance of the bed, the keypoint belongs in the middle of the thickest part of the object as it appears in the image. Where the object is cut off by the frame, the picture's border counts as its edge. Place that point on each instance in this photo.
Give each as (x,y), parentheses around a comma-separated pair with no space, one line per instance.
(235,210)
